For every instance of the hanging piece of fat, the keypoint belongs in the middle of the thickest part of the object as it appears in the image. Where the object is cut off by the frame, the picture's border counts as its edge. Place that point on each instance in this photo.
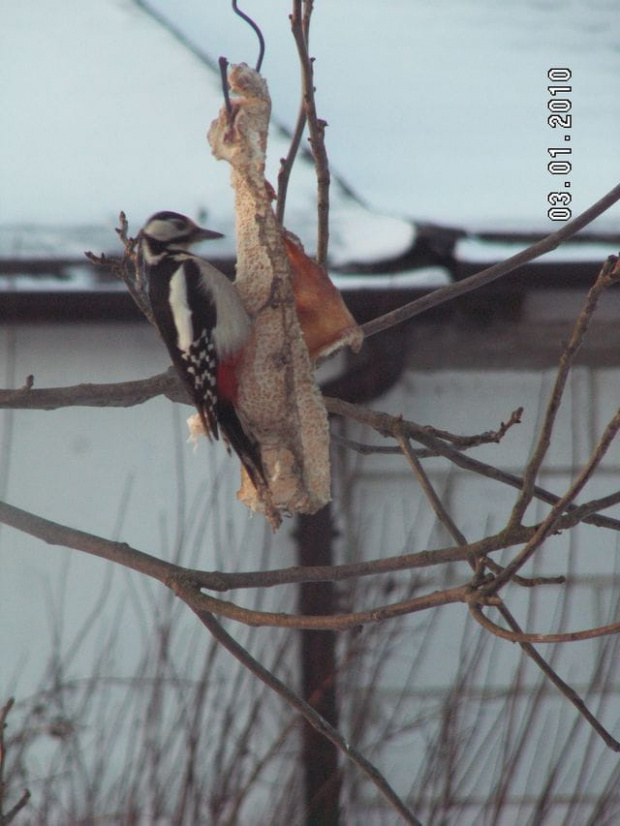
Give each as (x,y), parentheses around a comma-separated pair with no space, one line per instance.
(278,400)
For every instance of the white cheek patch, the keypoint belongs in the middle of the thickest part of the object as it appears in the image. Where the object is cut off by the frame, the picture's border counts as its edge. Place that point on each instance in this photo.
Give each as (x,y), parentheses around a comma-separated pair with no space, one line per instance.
(161,230)
(181,312)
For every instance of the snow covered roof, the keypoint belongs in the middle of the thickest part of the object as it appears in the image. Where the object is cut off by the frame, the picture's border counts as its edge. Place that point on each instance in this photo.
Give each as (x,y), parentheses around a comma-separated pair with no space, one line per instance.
(435,114)
(438,111)
(109,111)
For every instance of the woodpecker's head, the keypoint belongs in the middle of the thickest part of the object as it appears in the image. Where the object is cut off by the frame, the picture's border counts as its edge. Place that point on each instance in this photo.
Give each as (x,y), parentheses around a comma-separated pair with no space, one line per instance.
(171,230)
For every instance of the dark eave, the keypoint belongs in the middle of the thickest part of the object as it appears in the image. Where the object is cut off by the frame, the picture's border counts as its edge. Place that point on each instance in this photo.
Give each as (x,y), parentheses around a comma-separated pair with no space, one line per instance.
(72,289)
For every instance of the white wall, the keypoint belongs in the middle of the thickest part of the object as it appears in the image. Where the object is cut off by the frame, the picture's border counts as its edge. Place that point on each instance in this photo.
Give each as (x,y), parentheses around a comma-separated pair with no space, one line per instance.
(128,474)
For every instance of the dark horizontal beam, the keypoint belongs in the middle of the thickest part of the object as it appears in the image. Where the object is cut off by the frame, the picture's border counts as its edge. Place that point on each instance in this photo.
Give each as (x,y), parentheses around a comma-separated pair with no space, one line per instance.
(499,300)
(502,345)
(42,266)
(68,306)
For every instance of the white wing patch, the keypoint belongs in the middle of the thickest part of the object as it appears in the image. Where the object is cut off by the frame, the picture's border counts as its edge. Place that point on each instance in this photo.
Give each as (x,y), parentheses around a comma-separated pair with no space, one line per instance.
(181,313)
(199,355)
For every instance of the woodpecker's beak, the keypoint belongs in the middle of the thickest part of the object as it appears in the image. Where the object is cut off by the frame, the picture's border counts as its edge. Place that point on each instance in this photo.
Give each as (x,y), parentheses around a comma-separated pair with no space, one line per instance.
(201,234)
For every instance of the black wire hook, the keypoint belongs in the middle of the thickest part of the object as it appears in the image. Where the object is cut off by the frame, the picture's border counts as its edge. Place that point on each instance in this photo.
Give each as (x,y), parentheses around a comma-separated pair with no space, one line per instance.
(223,64)
(259,34)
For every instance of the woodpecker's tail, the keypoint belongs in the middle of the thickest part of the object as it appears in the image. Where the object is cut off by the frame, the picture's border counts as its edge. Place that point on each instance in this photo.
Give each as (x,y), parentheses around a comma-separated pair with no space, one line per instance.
(246,449)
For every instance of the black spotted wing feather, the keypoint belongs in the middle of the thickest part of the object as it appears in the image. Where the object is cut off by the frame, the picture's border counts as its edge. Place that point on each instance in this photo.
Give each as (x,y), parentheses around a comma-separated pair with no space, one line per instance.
(187,333)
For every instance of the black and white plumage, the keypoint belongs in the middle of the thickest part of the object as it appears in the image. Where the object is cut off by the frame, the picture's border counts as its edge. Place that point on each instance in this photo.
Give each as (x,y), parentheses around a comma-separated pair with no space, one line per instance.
(203,324)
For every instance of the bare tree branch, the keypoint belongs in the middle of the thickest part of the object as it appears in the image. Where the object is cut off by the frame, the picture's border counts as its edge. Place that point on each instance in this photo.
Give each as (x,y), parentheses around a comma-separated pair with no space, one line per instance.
(482,590)
(218,581)
(128,394)
(550,523)
(608,275)
(547,639)
(474,282)
(187,584)
(120,552)
(8,817)
(387,425)
(300,26)
(516,635)
(437,505)
(569,692)
(306,710)
(121,394)
(126,268)
(315,622)
(180,581)
(286,164)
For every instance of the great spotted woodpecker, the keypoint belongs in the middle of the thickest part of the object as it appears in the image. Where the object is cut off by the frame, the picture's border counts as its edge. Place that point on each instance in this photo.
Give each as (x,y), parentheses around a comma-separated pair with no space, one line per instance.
(203,324)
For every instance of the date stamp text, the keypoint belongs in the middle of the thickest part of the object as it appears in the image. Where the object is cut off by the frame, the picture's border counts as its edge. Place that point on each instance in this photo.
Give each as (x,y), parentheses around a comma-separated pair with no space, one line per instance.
(560,117)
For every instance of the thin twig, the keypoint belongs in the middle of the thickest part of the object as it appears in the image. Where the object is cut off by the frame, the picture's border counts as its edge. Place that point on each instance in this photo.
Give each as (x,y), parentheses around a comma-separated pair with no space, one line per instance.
(120,552)
(309,714)
(287,163)
(219,581)
(489,437)
(128,394)
(607,276)
(522,636)
(187,584)
(551,522)
(123,394)
(524,581)
(300,26)
(386,425)
(223,64)
(126,268)
(328,622)
(516,635)
(445,518)
(429,491)
(54,533)
(462,442)
(8,817)
(474,282)
(555,678)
